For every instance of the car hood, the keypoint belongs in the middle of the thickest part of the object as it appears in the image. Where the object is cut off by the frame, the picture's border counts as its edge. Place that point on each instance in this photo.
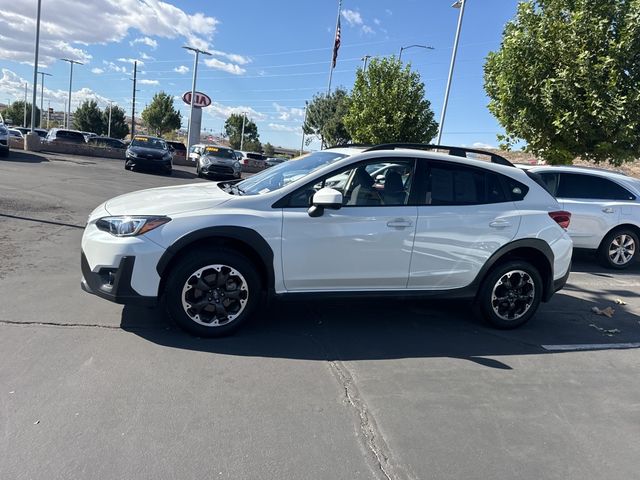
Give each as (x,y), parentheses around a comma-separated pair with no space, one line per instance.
(148,151)
(168,200)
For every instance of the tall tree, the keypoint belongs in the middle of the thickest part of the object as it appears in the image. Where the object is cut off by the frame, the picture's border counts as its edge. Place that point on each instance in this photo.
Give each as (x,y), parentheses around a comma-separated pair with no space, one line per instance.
(88,118)
(14,114)
(565,79)
(388,104)
(160,115)
(325,118)
(119,126)
(268,150)
(233,130)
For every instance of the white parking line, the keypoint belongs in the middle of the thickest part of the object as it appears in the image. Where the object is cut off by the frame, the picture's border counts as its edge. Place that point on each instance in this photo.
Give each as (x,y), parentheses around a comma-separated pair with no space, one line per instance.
(591,346)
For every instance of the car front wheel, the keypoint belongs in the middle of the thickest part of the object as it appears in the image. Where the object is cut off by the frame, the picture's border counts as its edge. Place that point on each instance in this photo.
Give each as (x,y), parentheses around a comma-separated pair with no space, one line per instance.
(619,249)
(510,294)
(211,293)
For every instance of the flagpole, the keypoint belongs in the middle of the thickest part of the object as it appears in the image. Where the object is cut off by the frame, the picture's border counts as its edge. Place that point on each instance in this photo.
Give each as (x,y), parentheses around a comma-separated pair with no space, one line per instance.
(333,50)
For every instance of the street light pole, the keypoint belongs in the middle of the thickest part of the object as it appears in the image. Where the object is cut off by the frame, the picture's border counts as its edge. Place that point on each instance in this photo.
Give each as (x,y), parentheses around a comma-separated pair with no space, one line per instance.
(109,127)
(197,52)
(42,96)
(24,120)
(71,63)
(244,118)
(413,46)
(365,60)
(35,69)
(306,105)
(458,4)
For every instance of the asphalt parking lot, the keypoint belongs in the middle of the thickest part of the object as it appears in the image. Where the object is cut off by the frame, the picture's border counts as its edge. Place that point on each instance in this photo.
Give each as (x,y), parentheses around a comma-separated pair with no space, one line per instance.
(315,390)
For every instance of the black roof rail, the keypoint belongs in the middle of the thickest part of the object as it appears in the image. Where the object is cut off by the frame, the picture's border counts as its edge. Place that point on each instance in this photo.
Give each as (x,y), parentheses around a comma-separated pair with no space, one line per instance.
(353,145)
(454,151)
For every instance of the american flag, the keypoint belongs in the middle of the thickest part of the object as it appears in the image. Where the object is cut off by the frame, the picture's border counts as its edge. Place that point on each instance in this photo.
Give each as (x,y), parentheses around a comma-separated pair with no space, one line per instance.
(336,44)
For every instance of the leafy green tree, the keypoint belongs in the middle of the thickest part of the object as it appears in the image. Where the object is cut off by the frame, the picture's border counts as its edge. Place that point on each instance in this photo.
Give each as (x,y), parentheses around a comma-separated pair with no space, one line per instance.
(268,150)
(88,118)
(388,104)
(160,115)
(15,114)
(325,118)
(565,79)
(119,126)
(233,131)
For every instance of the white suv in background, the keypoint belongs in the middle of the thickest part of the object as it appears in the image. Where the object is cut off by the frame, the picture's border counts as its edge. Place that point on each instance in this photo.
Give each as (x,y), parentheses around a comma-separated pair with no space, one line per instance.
(425,224)
(4,139)
(605,210)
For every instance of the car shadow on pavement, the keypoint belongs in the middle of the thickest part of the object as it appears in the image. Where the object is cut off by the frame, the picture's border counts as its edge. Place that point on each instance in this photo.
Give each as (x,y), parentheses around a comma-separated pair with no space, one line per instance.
(585,261)
(330,330)
(24,157)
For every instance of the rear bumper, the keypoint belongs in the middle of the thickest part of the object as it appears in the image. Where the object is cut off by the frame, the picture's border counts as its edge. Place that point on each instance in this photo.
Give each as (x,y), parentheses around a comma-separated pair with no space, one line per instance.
(114,284)
(558,284)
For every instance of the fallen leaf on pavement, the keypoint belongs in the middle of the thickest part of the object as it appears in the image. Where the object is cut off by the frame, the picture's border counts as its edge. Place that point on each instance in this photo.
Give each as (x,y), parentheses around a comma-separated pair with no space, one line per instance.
(607,312)
(619,301)
(609,332)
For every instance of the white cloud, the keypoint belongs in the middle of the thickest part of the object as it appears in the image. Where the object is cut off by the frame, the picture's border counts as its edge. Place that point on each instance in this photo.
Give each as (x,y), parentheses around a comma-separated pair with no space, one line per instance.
(114,68)
(388,12)
(222,111)
(131,61)
(367,29)
(234,57)
(146,81)
(109,21)
(352,17)
(482,145)
(144,56)
(286,114)
(376,21)
(225,67)
(12,86)
(97,71)
(149,42)
(284,128)
(182,69)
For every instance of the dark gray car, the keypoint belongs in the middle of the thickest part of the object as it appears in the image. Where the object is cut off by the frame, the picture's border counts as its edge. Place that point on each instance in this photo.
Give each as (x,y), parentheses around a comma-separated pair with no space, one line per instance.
(216,161)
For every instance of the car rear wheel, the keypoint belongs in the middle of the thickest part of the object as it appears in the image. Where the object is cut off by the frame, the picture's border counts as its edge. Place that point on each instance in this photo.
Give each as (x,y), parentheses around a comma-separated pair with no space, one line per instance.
(510,294)
(211,293)
(619,249)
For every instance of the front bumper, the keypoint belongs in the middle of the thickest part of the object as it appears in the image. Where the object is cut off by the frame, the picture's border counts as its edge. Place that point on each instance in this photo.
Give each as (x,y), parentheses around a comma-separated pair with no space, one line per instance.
(220,170)
(149,163)
(114,284)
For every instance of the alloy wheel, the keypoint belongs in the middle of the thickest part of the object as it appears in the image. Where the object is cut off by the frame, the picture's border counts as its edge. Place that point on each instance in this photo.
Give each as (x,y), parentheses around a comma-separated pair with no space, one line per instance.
(512,295)
(622,249)
(215,295)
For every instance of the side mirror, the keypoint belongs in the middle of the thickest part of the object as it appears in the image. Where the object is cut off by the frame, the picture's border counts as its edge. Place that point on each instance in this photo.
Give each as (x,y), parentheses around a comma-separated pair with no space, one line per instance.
(325,198)
(380,178)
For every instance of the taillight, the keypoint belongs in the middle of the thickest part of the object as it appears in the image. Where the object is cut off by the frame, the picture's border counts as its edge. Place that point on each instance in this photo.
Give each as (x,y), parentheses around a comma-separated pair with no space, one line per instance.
(562,218)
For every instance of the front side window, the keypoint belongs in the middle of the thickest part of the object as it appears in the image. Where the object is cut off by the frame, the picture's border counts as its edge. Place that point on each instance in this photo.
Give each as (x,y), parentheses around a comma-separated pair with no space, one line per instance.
(582,186)
(384,182)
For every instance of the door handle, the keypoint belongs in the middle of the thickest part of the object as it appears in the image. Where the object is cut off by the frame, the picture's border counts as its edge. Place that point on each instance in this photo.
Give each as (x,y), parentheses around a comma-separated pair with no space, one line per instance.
(399,223)
(608,210)
(499,224)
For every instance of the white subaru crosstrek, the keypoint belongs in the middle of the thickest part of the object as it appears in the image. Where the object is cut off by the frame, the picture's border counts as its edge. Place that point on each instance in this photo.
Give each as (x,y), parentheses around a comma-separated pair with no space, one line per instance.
(424,224)
(605,210)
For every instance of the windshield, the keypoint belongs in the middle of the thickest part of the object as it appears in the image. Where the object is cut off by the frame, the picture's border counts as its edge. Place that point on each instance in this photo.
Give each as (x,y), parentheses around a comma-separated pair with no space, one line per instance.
(219,152)
(147,142)
(277,177)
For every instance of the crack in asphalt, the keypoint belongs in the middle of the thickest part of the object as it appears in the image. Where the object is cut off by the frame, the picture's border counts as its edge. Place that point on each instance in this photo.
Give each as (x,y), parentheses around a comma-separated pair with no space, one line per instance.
(60,324)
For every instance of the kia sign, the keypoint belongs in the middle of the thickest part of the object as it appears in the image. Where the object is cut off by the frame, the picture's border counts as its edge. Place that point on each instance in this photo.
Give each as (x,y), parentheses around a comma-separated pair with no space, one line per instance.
(200,101)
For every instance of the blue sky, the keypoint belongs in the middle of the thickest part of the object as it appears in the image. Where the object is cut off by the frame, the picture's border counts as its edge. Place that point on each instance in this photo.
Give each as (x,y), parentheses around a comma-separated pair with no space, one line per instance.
(270,56)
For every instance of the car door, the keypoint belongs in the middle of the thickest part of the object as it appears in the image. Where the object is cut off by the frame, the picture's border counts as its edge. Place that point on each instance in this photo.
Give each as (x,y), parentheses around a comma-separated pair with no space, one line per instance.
(365,245)
(595,204)
(465,214)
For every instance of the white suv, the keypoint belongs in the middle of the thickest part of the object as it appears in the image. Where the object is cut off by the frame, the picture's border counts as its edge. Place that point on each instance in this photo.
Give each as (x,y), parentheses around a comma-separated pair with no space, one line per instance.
(4,139)
(430,224)
(605,210)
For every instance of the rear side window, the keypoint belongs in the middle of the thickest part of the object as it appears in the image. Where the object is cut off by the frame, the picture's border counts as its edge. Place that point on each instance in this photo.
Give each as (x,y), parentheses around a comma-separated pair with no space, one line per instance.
(578,185)
(255,156)
(460,185)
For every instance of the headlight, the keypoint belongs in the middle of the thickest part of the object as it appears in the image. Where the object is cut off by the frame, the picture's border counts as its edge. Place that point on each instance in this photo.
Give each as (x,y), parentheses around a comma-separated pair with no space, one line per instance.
(131,154)
(130,226)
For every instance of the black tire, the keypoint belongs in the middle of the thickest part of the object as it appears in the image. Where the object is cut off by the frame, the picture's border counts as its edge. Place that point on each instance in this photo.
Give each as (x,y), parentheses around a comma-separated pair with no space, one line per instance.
(619,249)
(198,172)
(168,172)
(202,322)
(127,167)
(4,153)
(513,311)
